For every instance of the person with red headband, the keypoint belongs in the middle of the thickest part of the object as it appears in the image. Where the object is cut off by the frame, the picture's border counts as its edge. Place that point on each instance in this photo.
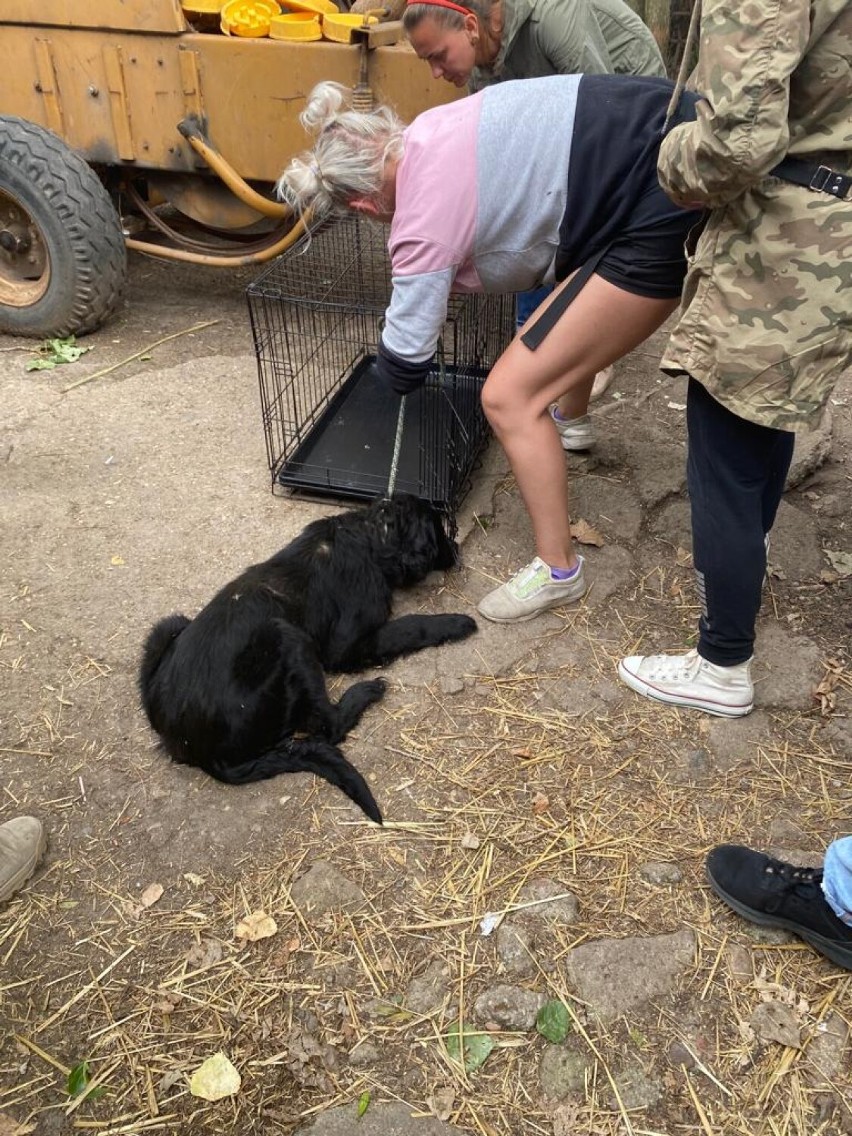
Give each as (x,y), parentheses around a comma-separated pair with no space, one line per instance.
(492,193)
(486,41)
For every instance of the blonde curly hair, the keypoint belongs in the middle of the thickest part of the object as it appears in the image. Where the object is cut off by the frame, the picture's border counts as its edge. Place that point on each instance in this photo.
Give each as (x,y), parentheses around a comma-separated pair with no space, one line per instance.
(348,158)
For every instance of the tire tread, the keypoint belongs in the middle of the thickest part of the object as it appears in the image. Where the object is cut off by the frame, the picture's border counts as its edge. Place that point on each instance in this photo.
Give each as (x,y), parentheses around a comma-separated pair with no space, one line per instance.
(84,208)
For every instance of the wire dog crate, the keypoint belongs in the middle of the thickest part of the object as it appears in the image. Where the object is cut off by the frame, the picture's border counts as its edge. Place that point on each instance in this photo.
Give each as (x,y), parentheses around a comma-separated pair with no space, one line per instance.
(331,428)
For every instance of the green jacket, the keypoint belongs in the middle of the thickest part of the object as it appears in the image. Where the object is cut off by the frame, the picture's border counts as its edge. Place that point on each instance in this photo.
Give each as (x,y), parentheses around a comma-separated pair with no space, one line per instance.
(766,318)
(566,37)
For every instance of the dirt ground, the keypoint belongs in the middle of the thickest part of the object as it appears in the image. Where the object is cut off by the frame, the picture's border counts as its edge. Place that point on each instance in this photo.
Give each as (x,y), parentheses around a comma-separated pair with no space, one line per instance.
(510,761)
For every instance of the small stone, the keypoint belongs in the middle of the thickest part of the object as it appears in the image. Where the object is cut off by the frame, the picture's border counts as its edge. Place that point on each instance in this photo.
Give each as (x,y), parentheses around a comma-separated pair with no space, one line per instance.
(784,831)
(788,669)
(452,685)
(661,873)
(382,1118)
(740,963)
(365,1055)
(827,1049)
(543,905)
(562,1071)
(614,976)
(514,948)
(635,1089)
(767,936)
(511,1007)
(427,992)
(678,1055)
(324,888)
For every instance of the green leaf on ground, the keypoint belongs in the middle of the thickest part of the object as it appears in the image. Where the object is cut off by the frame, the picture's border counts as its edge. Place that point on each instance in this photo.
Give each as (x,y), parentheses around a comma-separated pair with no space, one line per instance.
(363,1103)
(477,1046)
(55,351)
(77,1083)
(552,1021)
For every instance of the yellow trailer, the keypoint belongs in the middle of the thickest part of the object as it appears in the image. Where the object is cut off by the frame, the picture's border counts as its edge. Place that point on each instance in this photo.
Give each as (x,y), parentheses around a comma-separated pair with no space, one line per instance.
(139,124)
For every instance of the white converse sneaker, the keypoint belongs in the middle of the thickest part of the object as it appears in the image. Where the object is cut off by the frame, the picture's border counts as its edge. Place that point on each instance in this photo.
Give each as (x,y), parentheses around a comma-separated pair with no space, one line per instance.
(575,433)
(689,680)
(530,591)
(22,843)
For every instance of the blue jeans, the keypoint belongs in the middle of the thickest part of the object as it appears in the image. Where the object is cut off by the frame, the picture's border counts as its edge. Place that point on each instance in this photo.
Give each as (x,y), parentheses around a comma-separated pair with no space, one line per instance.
(837,878)
(527,302)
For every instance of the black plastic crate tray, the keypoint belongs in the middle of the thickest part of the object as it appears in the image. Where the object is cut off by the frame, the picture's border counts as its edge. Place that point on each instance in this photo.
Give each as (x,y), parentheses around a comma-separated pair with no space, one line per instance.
(349,451)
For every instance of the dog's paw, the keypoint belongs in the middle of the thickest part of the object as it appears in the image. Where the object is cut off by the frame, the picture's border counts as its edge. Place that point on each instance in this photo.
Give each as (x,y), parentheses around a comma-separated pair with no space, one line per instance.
(352,705)
(460,626)
(373,689)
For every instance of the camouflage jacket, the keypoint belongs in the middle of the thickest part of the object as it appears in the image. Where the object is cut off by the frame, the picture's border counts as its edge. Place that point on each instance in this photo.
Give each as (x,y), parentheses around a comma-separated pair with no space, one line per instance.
(766,319)
(569,37)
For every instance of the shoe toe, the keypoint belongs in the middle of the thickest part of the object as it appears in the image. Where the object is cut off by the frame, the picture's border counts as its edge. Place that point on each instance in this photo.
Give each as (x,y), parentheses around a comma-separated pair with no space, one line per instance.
(736,873)
(629,672)
(496,606)
(725,860)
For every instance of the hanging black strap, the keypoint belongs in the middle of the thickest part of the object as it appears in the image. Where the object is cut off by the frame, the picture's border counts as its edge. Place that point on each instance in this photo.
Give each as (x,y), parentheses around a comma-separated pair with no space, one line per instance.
(534,336)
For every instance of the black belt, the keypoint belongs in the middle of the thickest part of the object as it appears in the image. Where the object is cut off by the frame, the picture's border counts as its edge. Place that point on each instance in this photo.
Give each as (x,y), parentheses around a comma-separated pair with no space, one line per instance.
(820,179)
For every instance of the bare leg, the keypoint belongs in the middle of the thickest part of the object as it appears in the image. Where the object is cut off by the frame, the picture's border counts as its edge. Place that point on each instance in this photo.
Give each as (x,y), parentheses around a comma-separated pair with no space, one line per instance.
(602,324)
(575,403)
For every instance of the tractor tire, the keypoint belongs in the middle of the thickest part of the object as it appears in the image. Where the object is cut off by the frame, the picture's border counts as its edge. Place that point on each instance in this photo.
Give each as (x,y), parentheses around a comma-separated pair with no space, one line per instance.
(63,262)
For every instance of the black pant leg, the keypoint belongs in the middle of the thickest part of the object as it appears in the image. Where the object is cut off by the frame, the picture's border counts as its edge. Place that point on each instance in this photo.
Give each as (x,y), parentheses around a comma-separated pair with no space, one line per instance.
(782,456)
(735,474)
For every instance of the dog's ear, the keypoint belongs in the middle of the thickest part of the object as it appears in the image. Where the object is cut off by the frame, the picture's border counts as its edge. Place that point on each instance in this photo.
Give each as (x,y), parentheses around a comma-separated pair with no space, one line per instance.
(422,545)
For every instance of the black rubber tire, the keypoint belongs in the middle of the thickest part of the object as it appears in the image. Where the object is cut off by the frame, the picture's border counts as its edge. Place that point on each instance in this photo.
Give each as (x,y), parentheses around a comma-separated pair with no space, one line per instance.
(78,229)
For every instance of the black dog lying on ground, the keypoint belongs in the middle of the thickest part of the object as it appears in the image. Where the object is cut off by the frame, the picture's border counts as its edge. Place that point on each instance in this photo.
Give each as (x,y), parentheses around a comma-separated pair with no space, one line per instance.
(228,690)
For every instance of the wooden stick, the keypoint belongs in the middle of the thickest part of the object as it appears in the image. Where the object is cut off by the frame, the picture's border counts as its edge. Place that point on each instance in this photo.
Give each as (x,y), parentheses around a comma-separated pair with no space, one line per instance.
(135,355)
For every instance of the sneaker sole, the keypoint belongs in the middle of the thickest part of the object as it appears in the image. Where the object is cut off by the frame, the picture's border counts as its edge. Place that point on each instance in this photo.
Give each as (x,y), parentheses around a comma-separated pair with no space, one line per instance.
(576,447)
(836,952)
(531,614)
(717,709)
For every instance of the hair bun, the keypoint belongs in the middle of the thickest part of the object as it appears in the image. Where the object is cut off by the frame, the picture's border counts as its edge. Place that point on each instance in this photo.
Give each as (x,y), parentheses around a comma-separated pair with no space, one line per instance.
(324,103)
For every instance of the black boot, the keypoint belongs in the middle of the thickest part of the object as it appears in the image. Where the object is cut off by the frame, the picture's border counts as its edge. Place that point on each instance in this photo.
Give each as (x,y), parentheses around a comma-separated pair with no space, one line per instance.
(776,894)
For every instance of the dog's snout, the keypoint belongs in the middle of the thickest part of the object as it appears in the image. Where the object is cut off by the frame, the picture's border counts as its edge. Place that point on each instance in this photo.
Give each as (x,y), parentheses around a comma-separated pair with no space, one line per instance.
(449,555)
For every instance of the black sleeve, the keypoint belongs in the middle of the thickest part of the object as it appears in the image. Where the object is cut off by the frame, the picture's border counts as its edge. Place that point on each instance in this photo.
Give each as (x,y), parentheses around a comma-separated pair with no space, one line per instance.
(401,375)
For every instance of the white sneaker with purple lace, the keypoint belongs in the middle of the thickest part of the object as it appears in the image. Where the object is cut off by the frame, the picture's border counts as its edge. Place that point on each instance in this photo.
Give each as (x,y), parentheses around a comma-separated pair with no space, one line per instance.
(575,434)
(530,591)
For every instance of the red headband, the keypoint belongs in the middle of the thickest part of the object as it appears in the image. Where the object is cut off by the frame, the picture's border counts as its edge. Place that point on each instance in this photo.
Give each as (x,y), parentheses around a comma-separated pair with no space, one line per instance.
(443,4)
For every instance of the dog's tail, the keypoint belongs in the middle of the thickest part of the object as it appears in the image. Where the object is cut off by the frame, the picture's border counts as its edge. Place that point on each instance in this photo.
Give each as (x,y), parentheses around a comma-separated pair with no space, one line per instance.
(158,642)
(302,755)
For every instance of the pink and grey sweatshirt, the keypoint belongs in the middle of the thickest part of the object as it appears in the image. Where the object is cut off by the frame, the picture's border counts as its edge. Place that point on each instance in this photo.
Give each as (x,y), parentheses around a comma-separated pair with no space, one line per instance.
(480,193)
(517,186)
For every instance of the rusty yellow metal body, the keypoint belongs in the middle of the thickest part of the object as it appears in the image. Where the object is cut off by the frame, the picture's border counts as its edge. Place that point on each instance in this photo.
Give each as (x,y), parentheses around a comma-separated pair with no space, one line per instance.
(113,78)
(171,135)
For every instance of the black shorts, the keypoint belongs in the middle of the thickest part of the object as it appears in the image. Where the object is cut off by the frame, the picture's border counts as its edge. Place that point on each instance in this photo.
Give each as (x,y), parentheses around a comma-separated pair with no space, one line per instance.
(649,258)
(614,199)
